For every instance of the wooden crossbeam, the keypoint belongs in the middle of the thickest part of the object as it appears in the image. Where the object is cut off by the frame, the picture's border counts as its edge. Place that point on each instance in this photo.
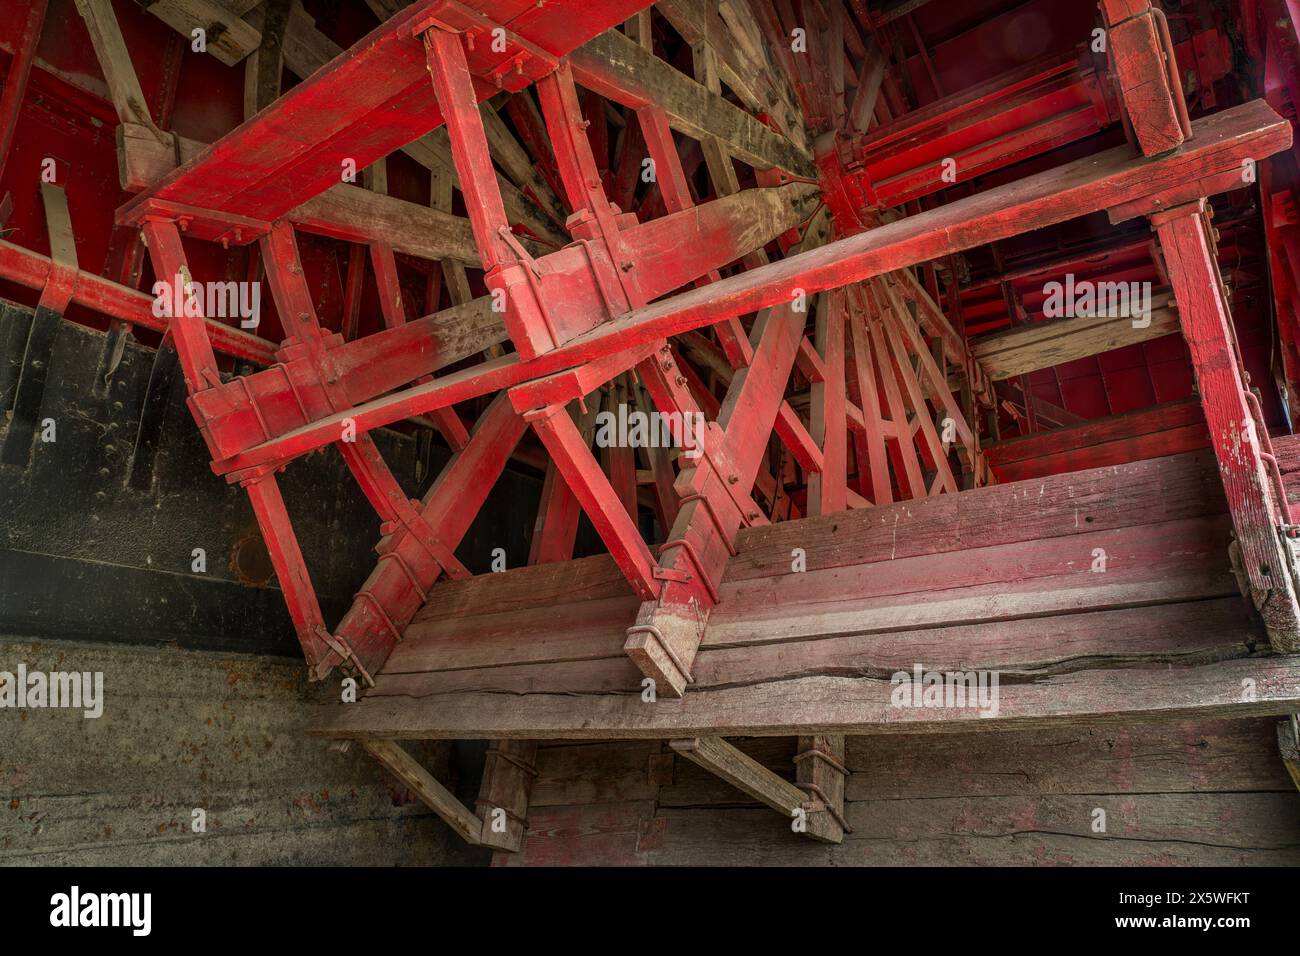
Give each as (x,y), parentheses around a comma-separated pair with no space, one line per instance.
(1039,345)
(227,36)
(618,69)
(1222,141)
(359,107)
(1167,429)
(835,705)
(341,212)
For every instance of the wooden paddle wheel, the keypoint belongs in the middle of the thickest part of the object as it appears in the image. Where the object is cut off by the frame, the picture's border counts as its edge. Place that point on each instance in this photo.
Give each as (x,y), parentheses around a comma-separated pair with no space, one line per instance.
(794,266)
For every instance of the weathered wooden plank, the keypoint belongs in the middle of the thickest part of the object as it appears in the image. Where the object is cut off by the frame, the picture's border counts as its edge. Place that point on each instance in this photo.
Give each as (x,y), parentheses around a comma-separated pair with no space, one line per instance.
(1047,344)
(1040,629)
(835,704)
(1163,489)
(618,69)
(1017,648)
(1193,545)
(1098,431)
(1208,829)
(606,772)
(503,797)
(613,834)
(588,630)
(541,585)
(1165,757)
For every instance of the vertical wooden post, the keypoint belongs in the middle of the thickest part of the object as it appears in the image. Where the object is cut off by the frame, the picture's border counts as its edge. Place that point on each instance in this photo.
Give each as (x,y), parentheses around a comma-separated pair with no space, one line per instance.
(1236,430)
(508,774)
(820,772)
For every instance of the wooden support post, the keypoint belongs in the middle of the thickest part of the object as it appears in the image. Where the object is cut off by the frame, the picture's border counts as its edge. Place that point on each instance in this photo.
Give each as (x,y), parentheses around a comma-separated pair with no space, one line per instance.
(715,485)
(393,309)
(290,569)
(454,89)
(1147,76)
(556,529)
(1264,549)
(264,66)
(198,362)
(1237,430)
(827,489)
(395,759)
(508,774)
(1288,746)
(820,772)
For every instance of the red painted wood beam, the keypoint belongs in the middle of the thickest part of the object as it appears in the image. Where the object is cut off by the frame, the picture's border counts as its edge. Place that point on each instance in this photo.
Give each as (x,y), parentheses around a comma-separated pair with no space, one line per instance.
(32,270)
(827,489)
(398,586)
(1259,508)
(20,67)
(372,99)
(582,473)
(1167,429)
(1098,182)
(1029,111)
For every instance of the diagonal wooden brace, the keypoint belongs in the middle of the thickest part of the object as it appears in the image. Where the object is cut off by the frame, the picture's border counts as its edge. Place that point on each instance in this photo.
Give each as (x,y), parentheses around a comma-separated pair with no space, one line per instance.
(809,808)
